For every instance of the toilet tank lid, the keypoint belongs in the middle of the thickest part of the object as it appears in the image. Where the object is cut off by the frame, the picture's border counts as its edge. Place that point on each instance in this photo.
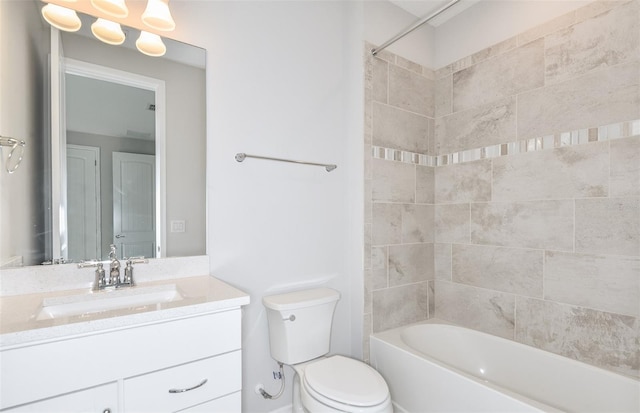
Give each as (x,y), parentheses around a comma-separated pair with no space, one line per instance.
(300,299)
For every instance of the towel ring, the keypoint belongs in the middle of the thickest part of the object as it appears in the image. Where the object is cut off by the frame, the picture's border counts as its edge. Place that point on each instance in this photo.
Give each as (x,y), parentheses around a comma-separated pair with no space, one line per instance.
(15,144)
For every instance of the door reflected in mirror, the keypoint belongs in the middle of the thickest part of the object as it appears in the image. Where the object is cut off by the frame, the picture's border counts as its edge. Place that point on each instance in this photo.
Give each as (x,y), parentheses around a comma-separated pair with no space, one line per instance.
(111,164)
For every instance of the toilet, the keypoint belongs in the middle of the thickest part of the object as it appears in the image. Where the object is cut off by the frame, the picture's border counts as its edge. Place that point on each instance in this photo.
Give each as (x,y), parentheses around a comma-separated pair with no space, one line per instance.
(299,336)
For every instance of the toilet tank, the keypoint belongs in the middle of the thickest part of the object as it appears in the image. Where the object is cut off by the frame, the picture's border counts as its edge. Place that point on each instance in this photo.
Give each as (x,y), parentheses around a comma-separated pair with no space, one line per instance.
(300,324)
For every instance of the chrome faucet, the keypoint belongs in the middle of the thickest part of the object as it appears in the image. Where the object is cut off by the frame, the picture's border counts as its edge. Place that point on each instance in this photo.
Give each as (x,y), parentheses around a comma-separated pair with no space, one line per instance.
(103,281)
(114,267)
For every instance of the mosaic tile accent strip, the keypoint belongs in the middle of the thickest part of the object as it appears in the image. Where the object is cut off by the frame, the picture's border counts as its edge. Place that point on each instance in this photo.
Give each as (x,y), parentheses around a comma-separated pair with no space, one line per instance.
(560,140)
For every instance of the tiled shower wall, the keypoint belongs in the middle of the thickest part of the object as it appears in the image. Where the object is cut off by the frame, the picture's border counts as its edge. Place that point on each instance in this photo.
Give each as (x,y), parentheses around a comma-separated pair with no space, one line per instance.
(533,216)
(399,197)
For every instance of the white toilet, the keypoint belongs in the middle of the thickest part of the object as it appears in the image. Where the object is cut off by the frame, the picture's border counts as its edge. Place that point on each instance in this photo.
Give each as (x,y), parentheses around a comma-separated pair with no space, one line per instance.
(299,336)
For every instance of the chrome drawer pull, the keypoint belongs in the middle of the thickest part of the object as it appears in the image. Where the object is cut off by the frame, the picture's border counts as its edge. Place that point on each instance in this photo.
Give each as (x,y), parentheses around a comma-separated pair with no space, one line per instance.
(189,389)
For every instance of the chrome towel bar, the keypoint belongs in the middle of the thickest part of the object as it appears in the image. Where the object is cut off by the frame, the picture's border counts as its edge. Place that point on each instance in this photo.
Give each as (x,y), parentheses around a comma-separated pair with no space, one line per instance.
(242,156)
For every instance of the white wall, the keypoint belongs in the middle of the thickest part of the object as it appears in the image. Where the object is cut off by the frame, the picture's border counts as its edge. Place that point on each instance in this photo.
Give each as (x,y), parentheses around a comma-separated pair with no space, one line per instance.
(284,80)
(23,58)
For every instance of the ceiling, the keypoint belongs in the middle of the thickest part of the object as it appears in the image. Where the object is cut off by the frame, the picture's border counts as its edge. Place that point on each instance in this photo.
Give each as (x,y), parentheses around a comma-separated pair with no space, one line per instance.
(423,8)
(109,109)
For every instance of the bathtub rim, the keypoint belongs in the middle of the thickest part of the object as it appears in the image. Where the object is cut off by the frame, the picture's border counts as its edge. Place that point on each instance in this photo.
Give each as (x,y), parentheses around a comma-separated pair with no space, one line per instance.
(394,338)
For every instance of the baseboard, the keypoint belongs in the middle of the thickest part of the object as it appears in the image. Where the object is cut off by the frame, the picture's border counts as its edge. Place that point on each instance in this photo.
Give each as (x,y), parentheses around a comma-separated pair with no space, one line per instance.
(284,409)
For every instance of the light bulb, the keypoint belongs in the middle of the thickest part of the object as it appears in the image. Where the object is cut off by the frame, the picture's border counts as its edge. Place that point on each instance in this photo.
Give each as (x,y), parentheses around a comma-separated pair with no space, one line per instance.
(108,32)
(158,16)
(151,44)
(61,17)
(115,8)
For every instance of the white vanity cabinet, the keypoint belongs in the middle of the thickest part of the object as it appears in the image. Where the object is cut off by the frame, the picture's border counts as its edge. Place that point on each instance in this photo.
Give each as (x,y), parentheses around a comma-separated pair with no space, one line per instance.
(190,364)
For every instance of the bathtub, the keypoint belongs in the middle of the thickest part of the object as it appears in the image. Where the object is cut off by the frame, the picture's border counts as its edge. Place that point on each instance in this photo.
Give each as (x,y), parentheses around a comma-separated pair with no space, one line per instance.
(437,367)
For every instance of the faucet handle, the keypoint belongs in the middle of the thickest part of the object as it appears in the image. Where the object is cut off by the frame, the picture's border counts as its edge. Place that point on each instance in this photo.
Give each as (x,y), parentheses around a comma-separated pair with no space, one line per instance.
(90,263)
(138,260)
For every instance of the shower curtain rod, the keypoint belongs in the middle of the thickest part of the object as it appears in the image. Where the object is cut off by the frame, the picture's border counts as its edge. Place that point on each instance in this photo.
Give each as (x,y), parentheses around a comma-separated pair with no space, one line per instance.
(412,28)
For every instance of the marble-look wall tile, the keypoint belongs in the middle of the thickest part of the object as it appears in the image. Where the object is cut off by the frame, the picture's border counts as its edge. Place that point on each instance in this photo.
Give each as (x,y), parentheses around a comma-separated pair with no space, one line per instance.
(443,99)
(463,182)
(495,50)
(417,223)
(608,226)
(368,291)
(602,282)
(536,224)
(367,246)
(368,205)
(583,47)
(604,339)
(431,145)
(625,167)
(410,91)
(425,184)
(398,129)
(490,311)
(409,65)
(579,171)
(485,125)
(546,28)
(410,263)
(484,54)
(393,181)
(597,98)
(366,333)
(379,268)
(387,224)
(399,306)
(511,270)
(379,80)
(596,8)
(431,298)
(442,261)
(444,71)
(508,74)
(452,223)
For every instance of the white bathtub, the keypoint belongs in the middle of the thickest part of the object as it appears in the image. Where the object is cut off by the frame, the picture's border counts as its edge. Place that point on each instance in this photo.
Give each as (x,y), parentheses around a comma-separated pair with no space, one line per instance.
(435,367)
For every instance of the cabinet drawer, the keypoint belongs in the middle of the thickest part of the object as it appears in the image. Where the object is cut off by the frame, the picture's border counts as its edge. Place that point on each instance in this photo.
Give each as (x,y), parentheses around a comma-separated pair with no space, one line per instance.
(96,399)
(150,392)
(231,403)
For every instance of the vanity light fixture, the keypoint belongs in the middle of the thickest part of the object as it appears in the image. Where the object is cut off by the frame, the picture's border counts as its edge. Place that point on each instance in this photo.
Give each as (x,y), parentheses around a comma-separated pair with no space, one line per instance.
(150,44)
(108,32)
(61,17)
(115,8)
(158,16)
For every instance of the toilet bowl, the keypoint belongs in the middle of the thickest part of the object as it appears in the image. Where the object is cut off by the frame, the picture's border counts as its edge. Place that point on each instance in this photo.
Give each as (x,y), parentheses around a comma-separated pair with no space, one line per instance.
(299,336)
(340,384)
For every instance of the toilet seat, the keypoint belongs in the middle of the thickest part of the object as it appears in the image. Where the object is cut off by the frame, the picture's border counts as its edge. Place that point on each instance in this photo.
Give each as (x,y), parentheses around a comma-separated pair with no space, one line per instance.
(346,384)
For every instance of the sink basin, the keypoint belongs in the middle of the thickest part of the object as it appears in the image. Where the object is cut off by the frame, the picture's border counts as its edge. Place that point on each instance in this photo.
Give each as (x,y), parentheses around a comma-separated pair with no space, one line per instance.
(95,302)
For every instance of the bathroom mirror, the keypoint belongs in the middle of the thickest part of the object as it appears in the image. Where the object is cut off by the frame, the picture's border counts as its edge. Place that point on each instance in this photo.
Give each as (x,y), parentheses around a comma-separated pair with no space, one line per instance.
(148,112)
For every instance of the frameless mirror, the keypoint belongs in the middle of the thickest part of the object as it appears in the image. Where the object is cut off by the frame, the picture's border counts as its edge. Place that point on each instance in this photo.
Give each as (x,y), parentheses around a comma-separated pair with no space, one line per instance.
(128,140)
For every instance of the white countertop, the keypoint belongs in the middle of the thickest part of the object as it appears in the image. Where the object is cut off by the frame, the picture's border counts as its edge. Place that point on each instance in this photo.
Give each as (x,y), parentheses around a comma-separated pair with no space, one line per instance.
(200,294)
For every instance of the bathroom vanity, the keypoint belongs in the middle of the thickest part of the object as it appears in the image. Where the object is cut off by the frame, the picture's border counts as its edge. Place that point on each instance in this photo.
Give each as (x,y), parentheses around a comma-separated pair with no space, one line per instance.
(162,346)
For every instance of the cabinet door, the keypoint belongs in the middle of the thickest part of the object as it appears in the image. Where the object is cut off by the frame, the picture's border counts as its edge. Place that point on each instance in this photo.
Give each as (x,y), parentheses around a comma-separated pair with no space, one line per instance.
(97,399)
